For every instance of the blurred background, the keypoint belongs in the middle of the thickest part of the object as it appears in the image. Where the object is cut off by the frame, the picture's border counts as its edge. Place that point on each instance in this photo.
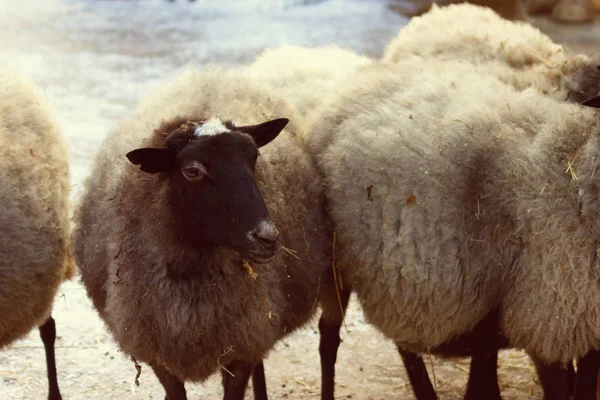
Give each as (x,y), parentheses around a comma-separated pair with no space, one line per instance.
(93,59)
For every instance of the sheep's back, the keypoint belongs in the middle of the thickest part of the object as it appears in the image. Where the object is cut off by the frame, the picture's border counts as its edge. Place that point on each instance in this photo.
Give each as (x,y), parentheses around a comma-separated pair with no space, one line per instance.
(34,225)
(472,33)
(518,53)
(304,75)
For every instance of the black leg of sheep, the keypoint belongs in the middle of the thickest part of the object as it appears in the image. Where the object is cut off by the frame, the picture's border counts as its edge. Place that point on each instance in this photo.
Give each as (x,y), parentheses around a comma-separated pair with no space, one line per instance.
(483,377)
(174,388)
(417,375)
(331,320)
(235,379)
(554,379)
(259,383)
(587,376)
(48,334)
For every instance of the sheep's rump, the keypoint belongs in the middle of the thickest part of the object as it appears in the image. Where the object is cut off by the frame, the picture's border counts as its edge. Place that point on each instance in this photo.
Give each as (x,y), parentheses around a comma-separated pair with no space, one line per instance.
(304,75)
(34,187)
(450,197)
(222,312)
(518,53)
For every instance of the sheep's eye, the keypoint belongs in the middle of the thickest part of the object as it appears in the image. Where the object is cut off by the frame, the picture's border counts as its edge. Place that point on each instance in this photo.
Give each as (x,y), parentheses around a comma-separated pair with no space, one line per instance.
(194,172)
(191,172)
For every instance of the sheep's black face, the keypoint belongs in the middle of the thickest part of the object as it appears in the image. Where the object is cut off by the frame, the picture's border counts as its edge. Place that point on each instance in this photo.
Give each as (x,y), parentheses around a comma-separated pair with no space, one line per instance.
(215,197)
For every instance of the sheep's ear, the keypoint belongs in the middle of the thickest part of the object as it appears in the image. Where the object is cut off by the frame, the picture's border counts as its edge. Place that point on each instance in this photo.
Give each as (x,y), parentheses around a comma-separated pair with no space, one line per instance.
(265,132)
(593,102)
(152,160)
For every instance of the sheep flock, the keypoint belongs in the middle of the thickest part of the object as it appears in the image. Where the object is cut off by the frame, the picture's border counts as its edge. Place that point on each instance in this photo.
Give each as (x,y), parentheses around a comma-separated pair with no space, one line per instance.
(450,186)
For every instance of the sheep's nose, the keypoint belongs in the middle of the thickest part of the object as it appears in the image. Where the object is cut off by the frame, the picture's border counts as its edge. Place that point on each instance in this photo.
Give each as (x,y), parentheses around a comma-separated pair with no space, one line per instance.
(266,232)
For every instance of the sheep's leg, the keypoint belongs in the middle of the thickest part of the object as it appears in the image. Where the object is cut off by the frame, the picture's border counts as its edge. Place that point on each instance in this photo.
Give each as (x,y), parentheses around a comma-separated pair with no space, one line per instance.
(332,317)
(483,377)
(235,379)
(48,335)
(259,383)
(417,375)
(173,386)
(587,376)
(553,378)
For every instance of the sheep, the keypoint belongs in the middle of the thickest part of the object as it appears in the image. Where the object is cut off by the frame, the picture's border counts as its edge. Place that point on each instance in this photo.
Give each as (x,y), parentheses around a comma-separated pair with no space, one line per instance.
(457,201)
(34,221)
(179,256)
(304,75)
(517,52)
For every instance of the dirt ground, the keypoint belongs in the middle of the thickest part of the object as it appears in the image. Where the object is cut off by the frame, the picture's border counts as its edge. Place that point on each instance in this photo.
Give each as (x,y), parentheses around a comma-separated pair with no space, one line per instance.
(91,367)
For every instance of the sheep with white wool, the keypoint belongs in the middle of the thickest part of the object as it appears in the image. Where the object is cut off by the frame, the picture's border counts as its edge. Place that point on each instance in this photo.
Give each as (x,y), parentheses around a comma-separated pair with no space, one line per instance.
(518,53)
(34,221)
(180,256)
(461,207)
(304,75)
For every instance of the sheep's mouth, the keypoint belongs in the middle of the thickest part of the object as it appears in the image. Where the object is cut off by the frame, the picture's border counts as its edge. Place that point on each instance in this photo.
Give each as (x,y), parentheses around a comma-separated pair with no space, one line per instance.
(260,257)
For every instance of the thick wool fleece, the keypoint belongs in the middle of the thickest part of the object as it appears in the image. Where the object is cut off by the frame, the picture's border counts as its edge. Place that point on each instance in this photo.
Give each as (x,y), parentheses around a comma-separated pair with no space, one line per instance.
(452,195)
(34,217)
(518,53)
(304,75)
(167,303)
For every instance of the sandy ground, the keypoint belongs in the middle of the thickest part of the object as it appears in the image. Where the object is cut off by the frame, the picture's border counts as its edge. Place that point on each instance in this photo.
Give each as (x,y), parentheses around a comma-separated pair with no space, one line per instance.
(90,366)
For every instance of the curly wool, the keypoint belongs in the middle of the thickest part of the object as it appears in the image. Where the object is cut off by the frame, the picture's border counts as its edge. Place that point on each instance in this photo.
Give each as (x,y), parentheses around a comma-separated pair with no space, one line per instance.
(453,195)
(518,53)
(130,256)
(34,217)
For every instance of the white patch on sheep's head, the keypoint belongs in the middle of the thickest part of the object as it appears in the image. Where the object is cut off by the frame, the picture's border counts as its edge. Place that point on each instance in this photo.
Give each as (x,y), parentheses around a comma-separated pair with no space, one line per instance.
(211,127)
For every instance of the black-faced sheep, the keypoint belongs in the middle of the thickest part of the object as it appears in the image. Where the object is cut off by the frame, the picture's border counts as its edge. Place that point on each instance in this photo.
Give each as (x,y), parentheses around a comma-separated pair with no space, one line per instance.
(180,255)
(462,206)
(518,53)
(304,75)
(34,221)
